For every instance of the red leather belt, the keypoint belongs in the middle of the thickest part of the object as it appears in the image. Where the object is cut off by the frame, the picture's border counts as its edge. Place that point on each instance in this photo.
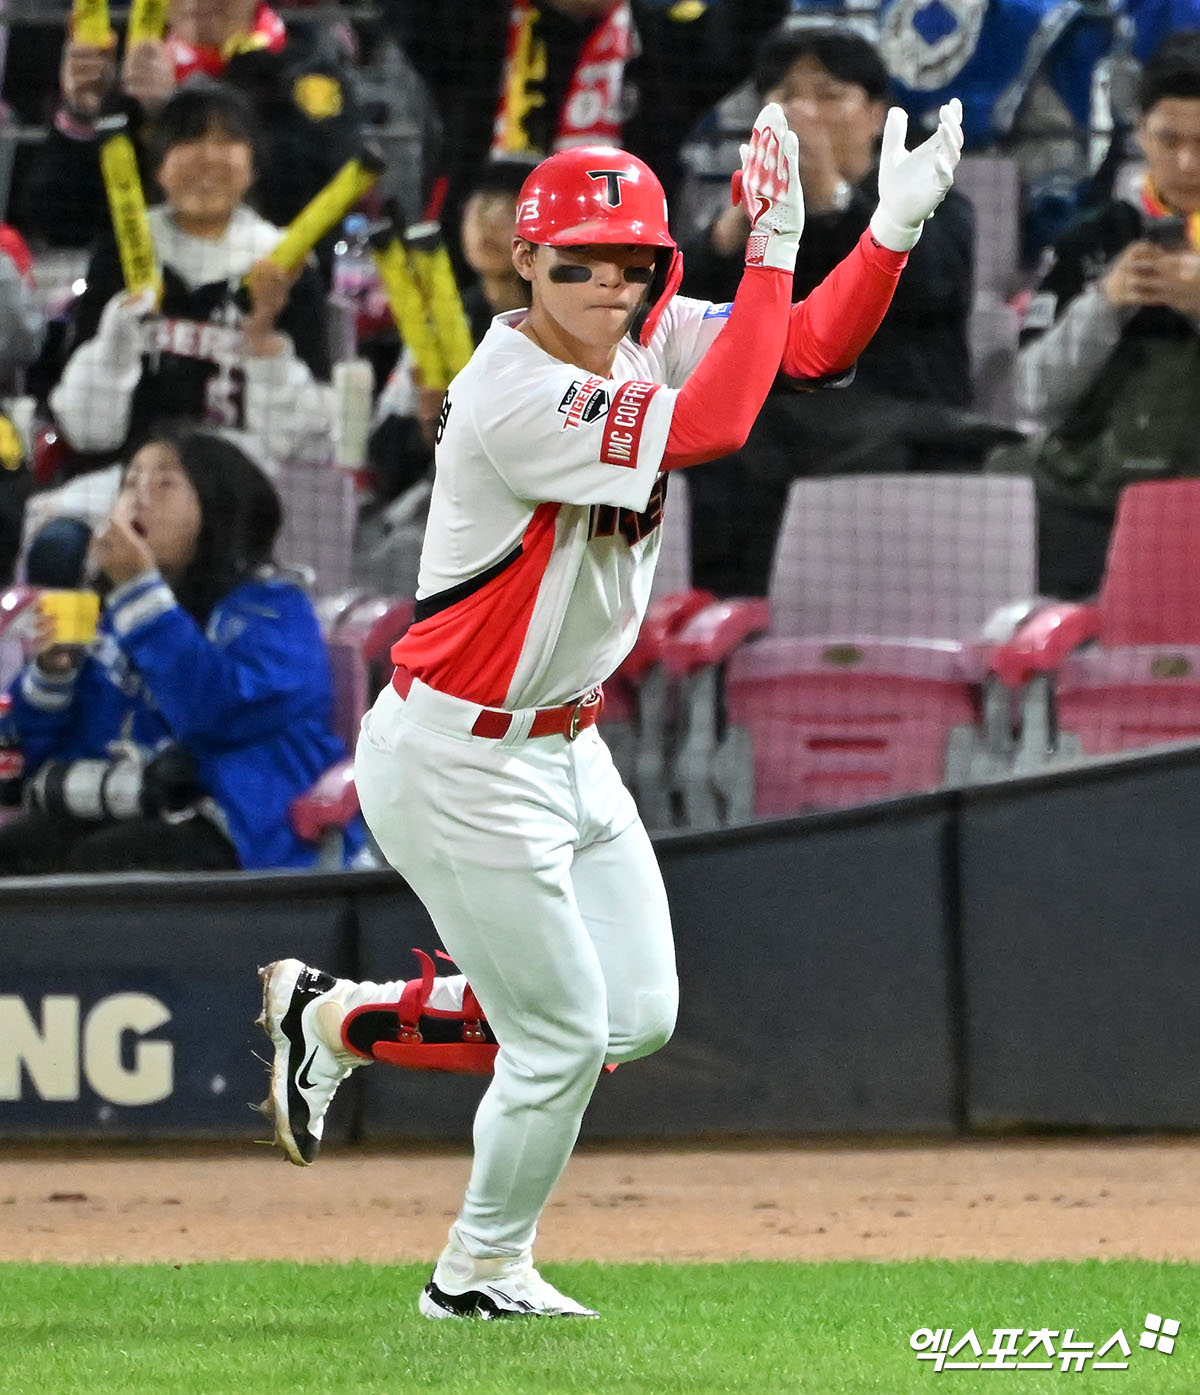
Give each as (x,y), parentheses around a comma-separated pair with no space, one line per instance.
(568,720)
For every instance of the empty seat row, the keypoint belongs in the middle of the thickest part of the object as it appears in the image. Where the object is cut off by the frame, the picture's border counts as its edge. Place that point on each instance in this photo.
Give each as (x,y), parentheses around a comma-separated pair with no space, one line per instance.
(903,647)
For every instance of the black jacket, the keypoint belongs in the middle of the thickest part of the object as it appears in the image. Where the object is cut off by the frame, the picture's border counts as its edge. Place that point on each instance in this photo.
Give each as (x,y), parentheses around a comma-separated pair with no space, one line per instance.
(921,350)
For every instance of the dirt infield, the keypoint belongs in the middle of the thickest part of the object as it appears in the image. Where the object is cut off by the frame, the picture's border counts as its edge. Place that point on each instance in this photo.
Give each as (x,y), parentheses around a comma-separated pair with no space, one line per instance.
(1023,1201)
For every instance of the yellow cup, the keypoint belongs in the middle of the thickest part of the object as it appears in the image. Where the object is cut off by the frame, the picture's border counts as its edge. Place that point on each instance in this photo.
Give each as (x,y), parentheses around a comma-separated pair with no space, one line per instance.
(74,613)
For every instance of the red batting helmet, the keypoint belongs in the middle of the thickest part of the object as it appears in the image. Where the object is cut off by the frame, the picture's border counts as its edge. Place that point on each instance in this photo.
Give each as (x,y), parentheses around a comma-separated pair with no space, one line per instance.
(597,194)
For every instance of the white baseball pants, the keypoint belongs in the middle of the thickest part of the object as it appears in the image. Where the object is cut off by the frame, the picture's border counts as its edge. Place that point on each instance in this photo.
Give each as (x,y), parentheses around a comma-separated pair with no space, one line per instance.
(541,882)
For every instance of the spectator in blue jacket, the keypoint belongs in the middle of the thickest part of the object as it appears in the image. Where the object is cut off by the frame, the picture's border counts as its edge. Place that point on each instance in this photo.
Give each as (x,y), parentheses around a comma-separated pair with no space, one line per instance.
(178,738)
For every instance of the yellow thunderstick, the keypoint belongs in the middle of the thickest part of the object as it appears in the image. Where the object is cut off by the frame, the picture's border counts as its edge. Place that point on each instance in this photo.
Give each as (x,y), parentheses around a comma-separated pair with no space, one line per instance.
(147,21)
(431,262)
(127,207)
(90,23)
(424,300)
(326,208)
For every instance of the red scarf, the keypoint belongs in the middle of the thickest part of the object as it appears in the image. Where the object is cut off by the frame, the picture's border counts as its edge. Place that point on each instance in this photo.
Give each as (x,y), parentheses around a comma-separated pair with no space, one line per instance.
(1156,208)
(591,111)
(267,33)
(13,245)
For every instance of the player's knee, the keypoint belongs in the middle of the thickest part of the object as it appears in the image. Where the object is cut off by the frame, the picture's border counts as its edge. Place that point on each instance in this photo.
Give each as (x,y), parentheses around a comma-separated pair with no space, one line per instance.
(554,1065)
(650,1028)
(579,1046)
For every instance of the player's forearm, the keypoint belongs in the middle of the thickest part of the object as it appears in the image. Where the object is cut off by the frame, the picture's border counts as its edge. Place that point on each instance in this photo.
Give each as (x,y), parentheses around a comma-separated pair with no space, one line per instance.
(716,407)
(830,328)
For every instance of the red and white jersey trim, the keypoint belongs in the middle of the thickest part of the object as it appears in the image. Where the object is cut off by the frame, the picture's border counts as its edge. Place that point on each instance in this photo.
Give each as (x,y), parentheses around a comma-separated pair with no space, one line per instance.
(542,535)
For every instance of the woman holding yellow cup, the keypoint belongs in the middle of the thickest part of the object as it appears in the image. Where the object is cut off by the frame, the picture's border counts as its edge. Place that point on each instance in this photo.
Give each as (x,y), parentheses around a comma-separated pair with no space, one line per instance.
(68,617)
(174,732)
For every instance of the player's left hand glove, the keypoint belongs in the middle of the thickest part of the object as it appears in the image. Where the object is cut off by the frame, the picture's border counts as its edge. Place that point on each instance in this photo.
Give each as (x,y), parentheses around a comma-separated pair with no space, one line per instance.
(913,182)
(768,185)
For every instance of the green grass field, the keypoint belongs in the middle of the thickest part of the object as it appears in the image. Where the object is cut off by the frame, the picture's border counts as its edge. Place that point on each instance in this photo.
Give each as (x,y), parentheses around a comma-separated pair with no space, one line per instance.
(754,1327)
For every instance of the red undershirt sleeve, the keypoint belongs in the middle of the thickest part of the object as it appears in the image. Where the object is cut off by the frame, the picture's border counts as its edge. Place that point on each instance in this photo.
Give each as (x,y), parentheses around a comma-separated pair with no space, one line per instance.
(716,407)
(820,336)
(833,325)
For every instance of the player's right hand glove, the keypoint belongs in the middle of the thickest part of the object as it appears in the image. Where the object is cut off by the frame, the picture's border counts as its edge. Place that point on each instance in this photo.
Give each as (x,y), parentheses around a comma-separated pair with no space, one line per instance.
(768,186)
(913,182)
(120,329)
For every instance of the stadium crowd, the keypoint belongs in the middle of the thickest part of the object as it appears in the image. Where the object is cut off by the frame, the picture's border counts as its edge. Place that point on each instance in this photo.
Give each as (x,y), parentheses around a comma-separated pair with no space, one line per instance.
(231,366)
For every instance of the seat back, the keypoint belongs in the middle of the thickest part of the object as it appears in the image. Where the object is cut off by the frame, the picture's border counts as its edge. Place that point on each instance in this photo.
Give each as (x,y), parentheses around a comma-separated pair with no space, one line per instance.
(359,634)
(1151,588)
(896,556)
(993,185)
(879,586)
(994,335)
(350,689)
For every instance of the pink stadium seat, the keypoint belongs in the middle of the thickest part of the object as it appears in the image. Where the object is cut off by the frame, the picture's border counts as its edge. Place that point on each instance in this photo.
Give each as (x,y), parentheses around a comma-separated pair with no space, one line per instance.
(1122,672)
(869,653)
(638,706)
(350,688)
(359,633)
(371,625)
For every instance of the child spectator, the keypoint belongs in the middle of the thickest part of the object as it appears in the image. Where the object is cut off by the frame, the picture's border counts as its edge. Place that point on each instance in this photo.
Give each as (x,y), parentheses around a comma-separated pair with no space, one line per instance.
(299,93)
(236,341)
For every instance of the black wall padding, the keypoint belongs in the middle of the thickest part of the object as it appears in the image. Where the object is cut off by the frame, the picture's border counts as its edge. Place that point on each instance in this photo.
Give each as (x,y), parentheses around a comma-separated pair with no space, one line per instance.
(1081,948)
(1025,954)
(814,990)
(74,946)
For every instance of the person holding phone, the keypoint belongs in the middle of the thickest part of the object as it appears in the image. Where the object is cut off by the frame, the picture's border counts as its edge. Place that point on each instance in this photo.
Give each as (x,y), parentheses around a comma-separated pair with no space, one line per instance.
(1109,367)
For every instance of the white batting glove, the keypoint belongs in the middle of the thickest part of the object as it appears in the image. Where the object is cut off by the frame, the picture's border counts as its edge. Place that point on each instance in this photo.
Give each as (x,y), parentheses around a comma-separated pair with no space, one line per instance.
(768,186)
(120,329)
(913,182)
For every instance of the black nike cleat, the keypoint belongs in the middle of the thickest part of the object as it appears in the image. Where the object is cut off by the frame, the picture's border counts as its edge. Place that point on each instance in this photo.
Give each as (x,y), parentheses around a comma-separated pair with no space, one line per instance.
(500,1289)
(302,1016)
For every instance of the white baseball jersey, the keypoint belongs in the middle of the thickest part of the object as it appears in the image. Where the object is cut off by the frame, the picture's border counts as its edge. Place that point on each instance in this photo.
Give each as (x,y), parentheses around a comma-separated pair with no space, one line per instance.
(543,526)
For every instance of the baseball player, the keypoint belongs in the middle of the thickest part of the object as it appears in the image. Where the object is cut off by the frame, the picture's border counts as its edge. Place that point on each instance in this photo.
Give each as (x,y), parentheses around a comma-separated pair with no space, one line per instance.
(479,768)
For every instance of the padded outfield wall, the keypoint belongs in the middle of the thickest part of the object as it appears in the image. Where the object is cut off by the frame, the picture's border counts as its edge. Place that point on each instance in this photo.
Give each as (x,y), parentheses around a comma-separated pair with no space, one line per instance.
(1025,954)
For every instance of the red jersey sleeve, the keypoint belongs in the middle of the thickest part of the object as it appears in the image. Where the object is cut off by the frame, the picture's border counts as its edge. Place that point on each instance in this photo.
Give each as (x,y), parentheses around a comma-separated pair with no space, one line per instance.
(833,324)
(716,407)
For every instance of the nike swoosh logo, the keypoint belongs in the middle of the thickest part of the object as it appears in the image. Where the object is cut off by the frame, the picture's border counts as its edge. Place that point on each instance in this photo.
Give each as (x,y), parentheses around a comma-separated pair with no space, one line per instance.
(519,1304)
(302,1077)
(764,205)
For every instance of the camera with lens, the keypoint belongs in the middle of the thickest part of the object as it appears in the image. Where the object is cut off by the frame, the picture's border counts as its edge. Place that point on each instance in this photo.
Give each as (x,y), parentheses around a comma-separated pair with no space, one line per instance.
(128,786)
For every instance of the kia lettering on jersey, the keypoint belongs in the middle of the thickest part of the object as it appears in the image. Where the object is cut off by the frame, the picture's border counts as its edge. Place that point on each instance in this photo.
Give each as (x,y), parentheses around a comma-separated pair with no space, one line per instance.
(608,521)
(586,401)
(626,418)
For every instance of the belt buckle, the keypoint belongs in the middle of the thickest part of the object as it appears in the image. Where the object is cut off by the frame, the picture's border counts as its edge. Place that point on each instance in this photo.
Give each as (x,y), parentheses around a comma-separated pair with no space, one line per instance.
(576,716)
